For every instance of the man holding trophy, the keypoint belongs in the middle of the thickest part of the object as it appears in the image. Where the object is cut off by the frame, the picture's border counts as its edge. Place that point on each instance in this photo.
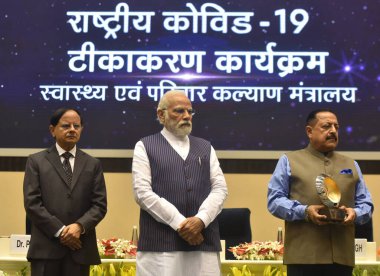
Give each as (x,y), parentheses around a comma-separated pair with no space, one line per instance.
(320,194)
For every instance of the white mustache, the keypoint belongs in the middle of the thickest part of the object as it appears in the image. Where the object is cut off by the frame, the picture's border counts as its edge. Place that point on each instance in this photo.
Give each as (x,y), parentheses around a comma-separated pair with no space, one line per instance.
(185,124)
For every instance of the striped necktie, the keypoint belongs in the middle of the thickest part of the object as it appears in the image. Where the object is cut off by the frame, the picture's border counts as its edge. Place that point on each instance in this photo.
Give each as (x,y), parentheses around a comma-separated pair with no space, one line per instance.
(67,166)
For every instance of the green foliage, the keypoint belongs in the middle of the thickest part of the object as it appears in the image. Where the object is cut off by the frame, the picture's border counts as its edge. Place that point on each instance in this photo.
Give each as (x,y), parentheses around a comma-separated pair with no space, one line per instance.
(24,271)
(243,272)
(112,269)
(273,271)
(366,271)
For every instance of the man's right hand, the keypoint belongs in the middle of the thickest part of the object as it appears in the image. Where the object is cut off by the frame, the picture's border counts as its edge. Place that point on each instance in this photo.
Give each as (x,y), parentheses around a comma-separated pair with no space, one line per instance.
(314,216)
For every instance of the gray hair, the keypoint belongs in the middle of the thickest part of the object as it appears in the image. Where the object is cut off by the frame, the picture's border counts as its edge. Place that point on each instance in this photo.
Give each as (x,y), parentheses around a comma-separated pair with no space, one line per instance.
(164,101)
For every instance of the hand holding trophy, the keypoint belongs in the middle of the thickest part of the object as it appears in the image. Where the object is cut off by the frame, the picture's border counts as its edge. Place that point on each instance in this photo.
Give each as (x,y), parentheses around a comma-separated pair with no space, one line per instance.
(330,195)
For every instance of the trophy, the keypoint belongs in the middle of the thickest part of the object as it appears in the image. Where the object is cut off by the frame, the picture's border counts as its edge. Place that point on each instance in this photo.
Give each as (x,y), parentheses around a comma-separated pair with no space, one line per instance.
(329,194)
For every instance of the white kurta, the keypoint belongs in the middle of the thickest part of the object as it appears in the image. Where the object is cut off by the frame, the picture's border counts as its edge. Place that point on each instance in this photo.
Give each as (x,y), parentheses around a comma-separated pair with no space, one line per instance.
(176,263)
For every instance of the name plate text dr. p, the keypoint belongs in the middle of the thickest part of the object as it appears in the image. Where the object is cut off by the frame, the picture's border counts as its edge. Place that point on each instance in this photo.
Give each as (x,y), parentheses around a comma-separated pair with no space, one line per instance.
(19,244)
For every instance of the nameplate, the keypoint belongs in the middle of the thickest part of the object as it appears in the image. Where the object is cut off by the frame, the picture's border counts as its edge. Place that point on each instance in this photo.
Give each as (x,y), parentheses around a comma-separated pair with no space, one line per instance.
(223,252)
(19,244)
(360,248)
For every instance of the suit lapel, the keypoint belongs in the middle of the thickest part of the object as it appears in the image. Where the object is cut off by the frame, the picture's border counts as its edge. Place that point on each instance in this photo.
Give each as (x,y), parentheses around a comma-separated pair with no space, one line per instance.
(79,163)
(54,159)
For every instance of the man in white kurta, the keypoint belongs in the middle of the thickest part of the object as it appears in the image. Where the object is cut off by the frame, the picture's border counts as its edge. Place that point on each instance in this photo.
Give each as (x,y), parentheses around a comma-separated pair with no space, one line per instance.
(175,113)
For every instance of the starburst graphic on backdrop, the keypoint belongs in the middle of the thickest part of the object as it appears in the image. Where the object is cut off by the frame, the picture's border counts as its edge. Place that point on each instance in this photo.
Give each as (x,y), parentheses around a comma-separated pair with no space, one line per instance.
(350,68)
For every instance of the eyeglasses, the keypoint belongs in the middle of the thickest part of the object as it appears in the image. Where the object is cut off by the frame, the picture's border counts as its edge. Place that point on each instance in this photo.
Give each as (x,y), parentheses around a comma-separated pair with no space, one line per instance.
(181,111)
(68,126)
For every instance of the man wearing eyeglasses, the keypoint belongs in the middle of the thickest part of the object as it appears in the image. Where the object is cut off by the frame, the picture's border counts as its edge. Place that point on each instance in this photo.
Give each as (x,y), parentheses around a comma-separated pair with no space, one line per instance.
(180,187)
(64,198)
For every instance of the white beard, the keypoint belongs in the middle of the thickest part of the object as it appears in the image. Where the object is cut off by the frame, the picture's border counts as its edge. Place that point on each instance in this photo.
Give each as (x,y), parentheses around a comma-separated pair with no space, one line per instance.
(178,129)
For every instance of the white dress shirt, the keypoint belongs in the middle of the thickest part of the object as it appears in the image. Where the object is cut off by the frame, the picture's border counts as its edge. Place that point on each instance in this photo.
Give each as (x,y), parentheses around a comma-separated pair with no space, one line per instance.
(73,151)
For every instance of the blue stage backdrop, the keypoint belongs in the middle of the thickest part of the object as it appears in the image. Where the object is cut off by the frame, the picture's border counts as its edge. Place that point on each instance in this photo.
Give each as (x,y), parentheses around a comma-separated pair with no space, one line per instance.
(253,68)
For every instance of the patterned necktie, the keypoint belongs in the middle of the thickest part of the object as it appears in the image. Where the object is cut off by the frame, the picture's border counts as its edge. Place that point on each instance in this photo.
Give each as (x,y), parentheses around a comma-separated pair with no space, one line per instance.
(67,166)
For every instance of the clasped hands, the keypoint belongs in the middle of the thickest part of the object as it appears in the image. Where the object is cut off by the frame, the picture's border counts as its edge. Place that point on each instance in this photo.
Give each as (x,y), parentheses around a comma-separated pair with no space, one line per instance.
(190,230)
(316,218)
(70,236)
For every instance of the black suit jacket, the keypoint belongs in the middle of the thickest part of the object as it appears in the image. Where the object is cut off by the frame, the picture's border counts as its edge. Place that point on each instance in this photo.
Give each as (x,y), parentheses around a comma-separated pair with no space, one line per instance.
(50,203)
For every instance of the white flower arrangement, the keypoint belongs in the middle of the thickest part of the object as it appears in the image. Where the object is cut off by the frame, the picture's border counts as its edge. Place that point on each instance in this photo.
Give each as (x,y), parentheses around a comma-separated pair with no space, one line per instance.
(256,250)
(116,248)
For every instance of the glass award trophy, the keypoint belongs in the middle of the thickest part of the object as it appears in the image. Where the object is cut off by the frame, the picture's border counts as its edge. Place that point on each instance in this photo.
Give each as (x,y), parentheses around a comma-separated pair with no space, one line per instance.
(330,195)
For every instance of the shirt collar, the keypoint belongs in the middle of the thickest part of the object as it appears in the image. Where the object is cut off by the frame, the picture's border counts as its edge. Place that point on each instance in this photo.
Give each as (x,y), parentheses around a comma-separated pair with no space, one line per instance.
(61,151)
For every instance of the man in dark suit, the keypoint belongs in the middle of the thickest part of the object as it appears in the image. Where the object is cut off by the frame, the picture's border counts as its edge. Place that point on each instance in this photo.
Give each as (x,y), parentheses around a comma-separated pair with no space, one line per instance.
(63,204)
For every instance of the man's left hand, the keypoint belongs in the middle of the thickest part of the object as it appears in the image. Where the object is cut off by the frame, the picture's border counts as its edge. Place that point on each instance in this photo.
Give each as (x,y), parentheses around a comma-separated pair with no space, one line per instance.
(190,229)
(70,236)
(350,215)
